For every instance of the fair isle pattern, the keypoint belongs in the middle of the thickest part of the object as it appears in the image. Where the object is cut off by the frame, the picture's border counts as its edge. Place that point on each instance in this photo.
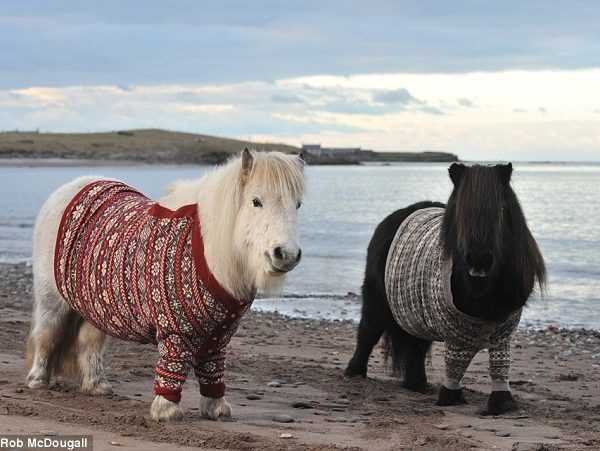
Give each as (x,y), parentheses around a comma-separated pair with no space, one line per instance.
(417,281)
(136,271)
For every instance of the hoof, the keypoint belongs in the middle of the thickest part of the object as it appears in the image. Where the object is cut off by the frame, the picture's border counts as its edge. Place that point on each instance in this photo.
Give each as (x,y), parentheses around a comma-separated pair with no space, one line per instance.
(501,402)
(418,387)
(163,410)
(214,408)
(37,384)
(449,397)
(352,371)
(100,389)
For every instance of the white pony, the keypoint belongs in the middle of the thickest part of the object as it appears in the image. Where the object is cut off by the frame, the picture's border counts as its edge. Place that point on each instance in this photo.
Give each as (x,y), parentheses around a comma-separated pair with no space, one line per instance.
(248,216)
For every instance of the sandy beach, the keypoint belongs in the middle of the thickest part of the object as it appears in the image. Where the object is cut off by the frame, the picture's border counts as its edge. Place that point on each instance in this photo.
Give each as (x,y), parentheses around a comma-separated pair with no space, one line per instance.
(291,370)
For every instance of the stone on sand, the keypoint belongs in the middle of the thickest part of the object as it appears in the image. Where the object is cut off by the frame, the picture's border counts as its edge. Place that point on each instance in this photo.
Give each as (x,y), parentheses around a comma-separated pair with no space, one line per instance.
(283,418)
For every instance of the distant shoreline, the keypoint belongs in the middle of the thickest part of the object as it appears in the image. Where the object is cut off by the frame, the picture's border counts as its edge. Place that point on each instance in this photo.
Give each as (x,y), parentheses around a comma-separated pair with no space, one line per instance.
(63,162)
(82,162)
(129,147)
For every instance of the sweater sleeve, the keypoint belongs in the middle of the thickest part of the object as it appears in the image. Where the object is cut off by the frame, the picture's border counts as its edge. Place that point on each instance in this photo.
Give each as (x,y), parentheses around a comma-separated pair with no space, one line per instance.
(499,357)
(457,360)
(210,373)
(172,367)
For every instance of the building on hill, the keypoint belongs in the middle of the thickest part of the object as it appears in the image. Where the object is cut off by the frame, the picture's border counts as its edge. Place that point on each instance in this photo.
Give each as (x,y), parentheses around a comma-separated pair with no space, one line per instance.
(317,150)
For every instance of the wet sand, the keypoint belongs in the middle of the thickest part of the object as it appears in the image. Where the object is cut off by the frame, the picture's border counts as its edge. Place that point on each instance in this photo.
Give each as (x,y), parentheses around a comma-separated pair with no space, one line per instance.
(276,363)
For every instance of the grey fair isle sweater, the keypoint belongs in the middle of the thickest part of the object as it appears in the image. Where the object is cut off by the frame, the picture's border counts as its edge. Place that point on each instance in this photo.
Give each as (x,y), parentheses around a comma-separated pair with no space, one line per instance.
(417,280)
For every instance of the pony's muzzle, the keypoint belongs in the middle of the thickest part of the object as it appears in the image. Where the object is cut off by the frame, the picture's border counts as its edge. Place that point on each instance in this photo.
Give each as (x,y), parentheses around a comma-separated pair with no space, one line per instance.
(283,259)
(479,263)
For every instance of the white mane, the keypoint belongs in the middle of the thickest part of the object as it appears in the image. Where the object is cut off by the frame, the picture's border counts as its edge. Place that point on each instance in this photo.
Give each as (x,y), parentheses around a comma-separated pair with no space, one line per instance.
(219,195)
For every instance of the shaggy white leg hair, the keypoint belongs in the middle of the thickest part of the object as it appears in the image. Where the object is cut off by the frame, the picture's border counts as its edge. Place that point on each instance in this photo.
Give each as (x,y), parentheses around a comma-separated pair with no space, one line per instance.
(164,410)
(91,343)
(213,408)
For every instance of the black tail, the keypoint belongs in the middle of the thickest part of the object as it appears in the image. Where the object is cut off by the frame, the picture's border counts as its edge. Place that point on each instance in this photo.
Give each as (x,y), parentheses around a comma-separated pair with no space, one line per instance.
(395,350)
(405,354)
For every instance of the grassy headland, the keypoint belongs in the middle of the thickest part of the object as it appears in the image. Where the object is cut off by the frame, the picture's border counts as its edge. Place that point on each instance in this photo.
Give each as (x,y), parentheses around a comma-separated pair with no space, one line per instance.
(161,146)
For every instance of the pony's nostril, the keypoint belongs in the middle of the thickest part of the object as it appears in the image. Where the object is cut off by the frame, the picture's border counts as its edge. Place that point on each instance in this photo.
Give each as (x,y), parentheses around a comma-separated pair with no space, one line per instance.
(299,256)
(278,252)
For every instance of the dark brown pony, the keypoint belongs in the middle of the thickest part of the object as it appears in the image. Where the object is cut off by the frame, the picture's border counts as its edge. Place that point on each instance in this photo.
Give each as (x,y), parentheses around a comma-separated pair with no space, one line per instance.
(496,263)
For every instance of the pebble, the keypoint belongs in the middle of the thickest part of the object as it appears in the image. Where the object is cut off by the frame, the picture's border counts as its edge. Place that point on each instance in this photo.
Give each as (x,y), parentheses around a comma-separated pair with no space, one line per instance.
(286,435)
(336,420)
(320,412)
(441,427)
(49,432)
(465,425)
(252,397)
(113,443)
(485,428)
(274,384)
(519,425)
(503,434)
(282,418)
(301,405)
(19,390)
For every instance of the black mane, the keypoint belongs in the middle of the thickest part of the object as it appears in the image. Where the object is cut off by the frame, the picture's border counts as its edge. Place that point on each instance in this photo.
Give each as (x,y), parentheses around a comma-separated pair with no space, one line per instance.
(483,211)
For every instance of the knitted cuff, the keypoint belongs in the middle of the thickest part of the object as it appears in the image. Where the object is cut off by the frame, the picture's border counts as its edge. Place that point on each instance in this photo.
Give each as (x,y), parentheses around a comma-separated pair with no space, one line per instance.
(213,390)
(170,394)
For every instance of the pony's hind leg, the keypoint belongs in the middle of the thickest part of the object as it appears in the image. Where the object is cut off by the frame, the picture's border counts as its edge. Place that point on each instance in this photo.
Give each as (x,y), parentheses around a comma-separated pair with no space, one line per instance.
(89,358)
(408,355)
(50,324)
(374,318)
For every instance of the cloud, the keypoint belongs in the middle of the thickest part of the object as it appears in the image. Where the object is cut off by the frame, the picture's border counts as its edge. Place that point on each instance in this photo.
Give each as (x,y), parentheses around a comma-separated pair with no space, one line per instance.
(431,110)
(286,98)
(463,101)
(397,96)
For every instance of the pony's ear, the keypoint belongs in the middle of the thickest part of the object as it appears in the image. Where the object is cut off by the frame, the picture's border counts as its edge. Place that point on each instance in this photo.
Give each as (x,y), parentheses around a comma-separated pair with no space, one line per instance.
(247,160)
(504,171)
(456,172)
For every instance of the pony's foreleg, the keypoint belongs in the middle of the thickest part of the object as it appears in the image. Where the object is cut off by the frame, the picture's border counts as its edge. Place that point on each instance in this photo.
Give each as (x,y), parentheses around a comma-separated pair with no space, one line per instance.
(90,346)
(213,408)
(501,399)
(164,410)
(457,360)
(171,372)
(374,318)
(209,373)
(50,324)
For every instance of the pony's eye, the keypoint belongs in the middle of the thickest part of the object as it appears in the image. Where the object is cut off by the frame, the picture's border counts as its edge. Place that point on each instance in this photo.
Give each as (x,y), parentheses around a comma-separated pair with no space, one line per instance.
(298,205)
(256,202)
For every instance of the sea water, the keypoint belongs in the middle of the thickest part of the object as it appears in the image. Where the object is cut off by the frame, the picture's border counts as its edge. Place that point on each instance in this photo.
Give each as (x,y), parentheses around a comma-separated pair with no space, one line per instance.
(342,207)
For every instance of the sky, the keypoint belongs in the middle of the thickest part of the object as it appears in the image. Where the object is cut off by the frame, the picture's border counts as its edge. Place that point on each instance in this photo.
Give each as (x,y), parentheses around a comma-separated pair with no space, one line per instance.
(487,80)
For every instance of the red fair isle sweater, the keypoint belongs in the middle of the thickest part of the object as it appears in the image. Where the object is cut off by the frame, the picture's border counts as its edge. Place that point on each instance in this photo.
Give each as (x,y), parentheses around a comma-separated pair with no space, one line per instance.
(136,271)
